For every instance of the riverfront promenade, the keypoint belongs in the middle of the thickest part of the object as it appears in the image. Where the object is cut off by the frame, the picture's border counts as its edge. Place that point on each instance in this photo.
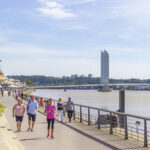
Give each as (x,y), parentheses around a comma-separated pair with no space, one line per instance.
(74,136)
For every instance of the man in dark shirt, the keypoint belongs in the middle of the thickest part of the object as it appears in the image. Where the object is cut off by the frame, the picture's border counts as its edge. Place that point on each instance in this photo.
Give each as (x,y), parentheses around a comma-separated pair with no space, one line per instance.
(70,108)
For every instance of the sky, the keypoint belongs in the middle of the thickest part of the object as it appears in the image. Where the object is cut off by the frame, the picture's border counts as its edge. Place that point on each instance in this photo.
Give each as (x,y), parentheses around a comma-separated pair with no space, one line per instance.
(64,37)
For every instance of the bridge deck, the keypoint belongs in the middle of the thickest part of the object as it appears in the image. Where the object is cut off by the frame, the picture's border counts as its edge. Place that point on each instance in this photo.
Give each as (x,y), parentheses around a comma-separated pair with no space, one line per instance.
(74,136)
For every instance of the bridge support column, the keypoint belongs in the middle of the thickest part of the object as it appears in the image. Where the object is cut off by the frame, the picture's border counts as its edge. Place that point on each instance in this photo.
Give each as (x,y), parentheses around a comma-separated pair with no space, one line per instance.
(121,108)
(81,114)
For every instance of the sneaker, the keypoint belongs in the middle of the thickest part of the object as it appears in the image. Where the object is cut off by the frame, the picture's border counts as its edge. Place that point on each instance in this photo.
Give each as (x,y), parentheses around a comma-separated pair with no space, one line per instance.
(48,135)
(32,130)
(28,129)
(52,137)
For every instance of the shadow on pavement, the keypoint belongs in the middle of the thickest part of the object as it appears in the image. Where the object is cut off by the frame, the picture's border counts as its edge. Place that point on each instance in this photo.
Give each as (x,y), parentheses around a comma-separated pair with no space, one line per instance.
(32,139)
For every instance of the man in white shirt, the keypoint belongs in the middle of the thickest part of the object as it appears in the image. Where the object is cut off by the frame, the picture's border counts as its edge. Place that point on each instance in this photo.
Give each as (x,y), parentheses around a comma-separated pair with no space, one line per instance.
(31,110)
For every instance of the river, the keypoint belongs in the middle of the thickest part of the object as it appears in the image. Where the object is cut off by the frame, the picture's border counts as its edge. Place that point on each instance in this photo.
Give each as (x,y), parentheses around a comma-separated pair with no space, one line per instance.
(137,102)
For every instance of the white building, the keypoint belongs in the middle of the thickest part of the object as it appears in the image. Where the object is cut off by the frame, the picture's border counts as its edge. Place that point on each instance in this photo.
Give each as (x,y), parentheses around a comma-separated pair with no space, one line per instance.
(104,67)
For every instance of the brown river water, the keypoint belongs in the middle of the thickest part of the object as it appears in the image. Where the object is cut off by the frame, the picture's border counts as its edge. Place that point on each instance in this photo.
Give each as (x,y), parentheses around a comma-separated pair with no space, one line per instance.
(137,102)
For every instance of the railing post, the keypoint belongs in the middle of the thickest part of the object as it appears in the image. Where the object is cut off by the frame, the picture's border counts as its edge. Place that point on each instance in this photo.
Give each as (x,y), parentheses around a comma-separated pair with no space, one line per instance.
(145,133)
(81,114)
(111,129)
(89,122)
(74,114)
(126,127)
(99,119)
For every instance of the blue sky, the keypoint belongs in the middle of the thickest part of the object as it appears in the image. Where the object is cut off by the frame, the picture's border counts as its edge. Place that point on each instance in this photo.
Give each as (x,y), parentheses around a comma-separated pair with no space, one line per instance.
(64,37)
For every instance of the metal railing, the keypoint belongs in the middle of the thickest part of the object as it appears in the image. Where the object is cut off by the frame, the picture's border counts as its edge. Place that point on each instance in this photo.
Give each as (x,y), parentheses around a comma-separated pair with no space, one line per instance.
(128,126)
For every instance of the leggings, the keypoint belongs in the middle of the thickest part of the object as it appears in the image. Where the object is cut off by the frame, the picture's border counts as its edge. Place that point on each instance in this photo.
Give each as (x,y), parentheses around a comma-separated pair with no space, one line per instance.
(49,122)
(70,113)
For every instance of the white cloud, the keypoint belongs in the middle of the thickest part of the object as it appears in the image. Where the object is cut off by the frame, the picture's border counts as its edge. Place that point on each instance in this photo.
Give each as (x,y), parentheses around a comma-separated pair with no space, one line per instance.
(77,28)
(148,35)
(54,5)
(2,39)
(76,2)
(54,10)
(56,13)
(86,1)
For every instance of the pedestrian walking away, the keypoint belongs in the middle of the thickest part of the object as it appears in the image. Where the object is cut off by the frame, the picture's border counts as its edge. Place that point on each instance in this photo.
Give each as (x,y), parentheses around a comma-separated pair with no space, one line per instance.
(41,102)
(2,92)
(22,95)
(16,95)
(18,112)
(9,92)
(32,107)
(50,110)
(70,108)
(60,107)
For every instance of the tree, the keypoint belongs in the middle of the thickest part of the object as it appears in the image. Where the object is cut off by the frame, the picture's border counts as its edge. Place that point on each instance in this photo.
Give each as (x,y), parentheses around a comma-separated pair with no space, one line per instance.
(2,109)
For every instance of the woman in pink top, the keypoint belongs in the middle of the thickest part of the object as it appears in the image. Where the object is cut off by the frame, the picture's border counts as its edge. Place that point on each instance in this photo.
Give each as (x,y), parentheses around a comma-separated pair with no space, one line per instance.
(50,111)
(18,111)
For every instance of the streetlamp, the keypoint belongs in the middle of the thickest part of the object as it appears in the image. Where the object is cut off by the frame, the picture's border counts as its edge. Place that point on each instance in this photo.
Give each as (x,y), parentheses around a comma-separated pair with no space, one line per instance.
(137,123)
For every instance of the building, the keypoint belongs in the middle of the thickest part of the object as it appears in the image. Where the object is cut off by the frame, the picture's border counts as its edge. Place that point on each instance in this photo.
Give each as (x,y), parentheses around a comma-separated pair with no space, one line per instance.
(82,76)
(65,77)
(89,75)
(74,76)
(104,67)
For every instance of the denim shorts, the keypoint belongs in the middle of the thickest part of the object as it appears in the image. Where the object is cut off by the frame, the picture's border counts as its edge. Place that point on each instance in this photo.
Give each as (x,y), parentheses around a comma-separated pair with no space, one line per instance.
(19,118)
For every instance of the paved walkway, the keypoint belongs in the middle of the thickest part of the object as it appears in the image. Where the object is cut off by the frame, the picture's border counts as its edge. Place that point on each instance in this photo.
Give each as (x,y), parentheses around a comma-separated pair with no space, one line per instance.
(74,136)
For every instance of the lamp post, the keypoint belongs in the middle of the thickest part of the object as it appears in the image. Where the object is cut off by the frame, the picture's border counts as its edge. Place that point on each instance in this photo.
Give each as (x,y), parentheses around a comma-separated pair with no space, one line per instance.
(137,123)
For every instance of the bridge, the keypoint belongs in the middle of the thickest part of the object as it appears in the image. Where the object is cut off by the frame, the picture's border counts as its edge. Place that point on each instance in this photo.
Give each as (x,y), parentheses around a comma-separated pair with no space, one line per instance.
(83,132)
(92,86)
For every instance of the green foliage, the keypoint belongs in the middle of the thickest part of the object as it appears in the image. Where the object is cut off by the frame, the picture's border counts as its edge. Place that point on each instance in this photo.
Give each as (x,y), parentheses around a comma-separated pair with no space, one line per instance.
(2,109)
(29,83)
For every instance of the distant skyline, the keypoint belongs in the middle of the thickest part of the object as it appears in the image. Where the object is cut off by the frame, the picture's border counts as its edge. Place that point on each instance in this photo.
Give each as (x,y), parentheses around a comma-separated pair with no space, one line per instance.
(64,37)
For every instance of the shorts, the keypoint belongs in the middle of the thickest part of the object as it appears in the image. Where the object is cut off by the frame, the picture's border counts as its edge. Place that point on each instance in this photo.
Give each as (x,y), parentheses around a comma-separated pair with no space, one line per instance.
(19,118)
(32,117)
(50,122)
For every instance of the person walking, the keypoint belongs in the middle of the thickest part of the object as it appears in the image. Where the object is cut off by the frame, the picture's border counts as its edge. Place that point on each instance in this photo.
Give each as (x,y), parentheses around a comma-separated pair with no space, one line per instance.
(9,92)
(22,95)
(60,108)
(50,110)
(16,95)
(41,102)
(32,107)
(18,111)
(70,108)
(2,92)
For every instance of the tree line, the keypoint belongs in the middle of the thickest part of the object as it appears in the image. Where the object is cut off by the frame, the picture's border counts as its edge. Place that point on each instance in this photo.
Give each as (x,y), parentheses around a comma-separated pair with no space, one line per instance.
(54,81)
